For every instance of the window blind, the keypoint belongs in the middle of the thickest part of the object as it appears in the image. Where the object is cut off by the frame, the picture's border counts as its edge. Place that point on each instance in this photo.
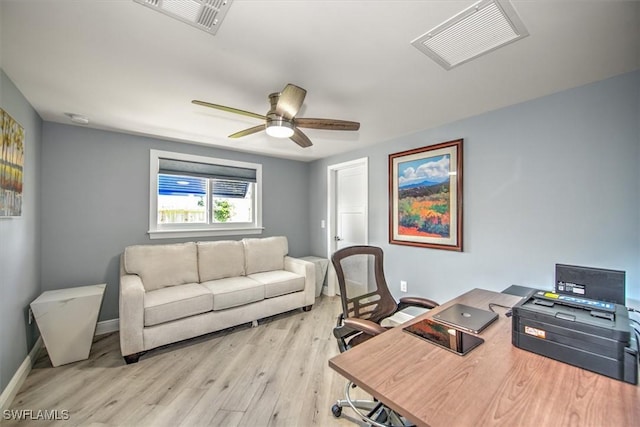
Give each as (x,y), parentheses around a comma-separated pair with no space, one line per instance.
(205,170)
(172,185)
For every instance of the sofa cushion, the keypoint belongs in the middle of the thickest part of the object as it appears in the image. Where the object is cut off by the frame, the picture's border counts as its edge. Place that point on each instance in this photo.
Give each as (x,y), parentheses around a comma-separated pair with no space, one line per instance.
(176,302)
(279,282)
(234,291)
(265,254)
(160,266)
(217,260)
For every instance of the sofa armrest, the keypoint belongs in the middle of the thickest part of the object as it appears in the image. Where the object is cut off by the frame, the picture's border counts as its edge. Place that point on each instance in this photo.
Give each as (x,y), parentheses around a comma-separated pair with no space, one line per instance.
(131,314)
(306,269)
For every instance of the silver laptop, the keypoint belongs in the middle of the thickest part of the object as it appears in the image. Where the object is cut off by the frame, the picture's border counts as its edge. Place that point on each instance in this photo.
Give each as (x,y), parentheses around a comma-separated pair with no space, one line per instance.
(467,318)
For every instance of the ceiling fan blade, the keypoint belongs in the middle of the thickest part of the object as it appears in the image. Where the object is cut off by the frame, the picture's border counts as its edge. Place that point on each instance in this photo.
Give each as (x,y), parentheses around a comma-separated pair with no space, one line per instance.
(301,139)
(328,124)
(230,109)
(247,131)
(290,101)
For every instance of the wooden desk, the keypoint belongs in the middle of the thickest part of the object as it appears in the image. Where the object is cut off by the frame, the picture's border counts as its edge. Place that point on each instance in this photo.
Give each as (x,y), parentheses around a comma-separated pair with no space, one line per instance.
(495,384)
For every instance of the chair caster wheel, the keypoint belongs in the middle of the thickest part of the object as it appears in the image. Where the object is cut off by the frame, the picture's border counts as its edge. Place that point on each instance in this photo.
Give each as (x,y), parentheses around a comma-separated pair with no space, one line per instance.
(336,411)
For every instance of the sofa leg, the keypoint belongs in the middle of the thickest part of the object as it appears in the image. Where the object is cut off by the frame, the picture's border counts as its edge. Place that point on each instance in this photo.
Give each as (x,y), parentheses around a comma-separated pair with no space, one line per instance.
(133,358)
(307,308)
(254,323)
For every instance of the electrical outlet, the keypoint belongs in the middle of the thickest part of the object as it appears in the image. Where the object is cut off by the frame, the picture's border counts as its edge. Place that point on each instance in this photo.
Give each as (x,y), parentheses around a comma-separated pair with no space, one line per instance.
(30,316)
(403,285)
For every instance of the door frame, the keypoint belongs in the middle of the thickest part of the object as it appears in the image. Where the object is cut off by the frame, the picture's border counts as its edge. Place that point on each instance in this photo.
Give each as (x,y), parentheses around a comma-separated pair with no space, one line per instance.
(332,171)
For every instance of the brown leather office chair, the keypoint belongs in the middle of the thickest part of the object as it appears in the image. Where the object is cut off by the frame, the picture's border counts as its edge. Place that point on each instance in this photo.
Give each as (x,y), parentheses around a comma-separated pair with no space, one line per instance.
(366,301)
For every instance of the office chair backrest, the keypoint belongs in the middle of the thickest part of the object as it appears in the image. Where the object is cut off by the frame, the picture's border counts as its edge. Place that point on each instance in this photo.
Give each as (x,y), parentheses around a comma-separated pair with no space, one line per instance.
(363,288)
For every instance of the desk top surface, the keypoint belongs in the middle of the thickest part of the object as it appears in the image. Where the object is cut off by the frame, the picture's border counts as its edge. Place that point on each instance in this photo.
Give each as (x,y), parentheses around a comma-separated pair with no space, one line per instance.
(495,384)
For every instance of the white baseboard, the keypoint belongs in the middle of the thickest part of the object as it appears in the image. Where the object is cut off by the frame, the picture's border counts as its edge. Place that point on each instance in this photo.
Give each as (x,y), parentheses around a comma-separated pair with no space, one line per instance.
(12,389)
(107,326)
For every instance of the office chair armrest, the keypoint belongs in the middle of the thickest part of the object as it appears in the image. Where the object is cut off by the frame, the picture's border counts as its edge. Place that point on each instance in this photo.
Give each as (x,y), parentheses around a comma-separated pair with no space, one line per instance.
(365,326)
(416,302)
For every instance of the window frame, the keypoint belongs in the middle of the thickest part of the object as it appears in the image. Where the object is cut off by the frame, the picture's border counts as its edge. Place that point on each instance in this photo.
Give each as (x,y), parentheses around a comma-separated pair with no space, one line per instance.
(175,231)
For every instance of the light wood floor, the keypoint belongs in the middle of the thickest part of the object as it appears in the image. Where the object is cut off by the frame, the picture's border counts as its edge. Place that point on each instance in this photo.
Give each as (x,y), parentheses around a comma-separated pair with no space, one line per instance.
(275,374)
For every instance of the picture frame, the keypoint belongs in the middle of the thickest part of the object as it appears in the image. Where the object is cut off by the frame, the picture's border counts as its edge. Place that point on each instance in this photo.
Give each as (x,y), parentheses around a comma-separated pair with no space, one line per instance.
(11,166)
(425,196)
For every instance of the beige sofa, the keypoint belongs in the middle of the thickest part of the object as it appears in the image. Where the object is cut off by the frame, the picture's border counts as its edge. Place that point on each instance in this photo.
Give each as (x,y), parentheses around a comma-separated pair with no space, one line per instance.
(169,293)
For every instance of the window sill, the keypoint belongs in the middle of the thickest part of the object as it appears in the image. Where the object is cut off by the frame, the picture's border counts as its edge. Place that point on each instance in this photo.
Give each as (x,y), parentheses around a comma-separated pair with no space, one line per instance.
(203,232)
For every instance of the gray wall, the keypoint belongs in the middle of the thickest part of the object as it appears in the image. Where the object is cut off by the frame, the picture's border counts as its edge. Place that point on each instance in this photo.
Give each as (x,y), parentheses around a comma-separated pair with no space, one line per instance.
(20,242)
(553,180)
(95,198)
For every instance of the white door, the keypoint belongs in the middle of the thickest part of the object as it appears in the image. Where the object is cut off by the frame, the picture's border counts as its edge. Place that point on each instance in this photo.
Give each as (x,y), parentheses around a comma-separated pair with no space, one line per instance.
(348,209)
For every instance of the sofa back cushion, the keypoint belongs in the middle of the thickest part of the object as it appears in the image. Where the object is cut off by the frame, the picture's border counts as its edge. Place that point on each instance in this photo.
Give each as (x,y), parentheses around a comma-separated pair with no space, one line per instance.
(160,266)
(219,260)
(265,254)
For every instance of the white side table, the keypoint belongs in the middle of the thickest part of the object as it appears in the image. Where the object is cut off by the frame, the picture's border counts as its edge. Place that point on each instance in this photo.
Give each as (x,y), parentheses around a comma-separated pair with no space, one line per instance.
(67,320)
(321,271)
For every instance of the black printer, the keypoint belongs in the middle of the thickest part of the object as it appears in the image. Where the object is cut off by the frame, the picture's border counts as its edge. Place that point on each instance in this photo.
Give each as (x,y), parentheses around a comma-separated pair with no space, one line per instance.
(590,334)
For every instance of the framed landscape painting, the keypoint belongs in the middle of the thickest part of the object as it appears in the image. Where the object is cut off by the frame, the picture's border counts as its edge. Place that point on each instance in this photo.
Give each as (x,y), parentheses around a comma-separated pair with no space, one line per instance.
(11,165)
(425,196)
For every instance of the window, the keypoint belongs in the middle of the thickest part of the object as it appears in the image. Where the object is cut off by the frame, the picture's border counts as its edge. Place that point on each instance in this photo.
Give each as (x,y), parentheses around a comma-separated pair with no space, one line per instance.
(202,196)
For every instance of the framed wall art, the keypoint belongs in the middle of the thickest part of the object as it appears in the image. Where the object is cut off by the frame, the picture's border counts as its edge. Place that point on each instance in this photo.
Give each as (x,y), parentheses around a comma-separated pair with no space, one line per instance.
(425,196)
(11,166)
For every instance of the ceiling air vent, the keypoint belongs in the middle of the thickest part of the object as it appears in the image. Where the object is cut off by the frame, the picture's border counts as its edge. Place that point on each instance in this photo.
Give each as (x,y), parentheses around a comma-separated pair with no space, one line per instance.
(479,29)
(206,15)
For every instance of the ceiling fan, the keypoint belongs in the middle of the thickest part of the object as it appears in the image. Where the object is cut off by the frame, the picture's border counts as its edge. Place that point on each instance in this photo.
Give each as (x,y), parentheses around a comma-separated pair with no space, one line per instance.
(281,121)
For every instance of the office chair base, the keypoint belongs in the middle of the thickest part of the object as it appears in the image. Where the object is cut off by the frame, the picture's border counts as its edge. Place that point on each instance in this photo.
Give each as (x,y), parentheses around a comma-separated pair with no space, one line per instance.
(366,405)
(376,415)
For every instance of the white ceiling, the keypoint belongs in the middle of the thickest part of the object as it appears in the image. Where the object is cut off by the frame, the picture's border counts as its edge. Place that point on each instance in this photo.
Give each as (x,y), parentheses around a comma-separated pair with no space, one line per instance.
(131,69)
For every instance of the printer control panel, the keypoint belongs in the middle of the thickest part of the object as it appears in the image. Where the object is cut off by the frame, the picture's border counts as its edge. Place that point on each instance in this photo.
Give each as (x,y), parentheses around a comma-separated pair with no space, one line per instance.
(575,301)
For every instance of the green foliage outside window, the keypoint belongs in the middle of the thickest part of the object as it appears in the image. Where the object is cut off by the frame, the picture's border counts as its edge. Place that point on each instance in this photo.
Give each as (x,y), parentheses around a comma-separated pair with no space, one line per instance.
(222,210)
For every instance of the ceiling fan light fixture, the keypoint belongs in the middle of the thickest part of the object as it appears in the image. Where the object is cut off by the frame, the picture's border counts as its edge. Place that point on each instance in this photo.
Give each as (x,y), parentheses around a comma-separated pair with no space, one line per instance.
(280,121)
(279,128)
